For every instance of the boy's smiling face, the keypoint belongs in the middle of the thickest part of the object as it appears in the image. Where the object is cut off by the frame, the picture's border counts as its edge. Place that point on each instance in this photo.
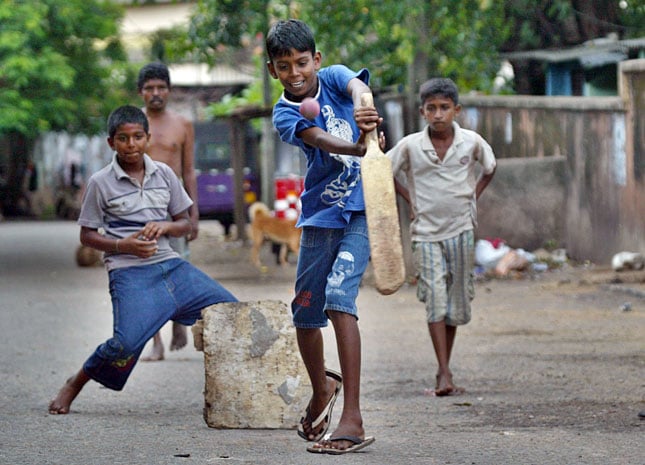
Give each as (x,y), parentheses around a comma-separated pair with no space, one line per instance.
(130,143)
(297,73)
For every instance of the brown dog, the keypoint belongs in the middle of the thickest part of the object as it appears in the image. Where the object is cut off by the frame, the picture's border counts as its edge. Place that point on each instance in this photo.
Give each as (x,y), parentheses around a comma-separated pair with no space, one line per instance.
(279,230)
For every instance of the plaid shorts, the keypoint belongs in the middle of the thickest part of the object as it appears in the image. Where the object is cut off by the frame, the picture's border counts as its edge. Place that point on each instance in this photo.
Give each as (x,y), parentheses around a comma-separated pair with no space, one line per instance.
(446,278)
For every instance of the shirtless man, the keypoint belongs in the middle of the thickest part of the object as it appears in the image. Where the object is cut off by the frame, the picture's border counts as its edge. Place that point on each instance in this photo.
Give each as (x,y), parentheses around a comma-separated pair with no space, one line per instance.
(172,142)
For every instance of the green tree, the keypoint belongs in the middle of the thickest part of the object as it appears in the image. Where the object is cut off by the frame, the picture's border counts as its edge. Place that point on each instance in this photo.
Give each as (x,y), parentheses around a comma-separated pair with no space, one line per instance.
(405,42)
(224,31)
(401,42)
(437,37)
(631,14)
(441,37)
(61,68)
(220,29)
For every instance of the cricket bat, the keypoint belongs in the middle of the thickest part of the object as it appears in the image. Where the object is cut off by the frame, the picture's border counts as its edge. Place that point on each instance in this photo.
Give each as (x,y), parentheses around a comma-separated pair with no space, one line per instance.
(381,213)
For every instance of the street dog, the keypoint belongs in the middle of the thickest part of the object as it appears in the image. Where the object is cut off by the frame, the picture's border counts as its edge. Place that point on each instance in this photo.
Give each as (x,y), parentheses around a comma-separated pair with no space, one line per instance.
(266,226)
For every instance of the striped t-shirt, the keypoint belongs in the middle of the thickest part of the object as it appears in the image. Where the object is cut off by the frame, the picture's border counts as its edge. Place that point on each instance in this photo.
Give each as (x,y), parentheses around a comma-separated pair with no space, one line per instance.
(116,203)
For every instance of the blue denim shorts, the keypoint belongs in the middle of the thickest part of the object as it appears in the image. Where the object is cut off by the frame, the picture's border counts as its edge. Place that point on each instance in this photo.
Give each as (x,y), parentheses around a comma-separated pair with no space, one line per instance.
(331,264)
(144,298)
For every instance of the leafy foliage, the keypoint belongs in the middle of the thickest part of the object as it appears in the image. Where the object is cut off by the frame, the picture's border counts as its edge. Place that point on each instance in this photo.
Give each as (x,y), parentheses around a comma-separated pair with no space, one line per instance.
(399,40)
(253,95)
(455,39)
(220,27)
(632,18)
(559,23)
(61,65)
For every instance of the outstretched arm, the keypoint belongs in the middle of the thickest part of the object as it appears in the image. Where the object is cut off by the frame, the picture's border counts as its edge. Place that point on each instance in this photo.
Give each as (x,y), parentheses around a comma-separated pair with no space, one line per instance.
(316,137)
(367,119)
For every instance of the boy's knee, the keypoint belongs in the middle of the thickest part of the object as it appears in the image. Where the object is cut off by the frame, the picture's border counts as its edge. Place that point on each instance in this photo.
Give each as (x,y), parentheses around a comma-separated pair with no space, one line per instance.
(337,316)
(119,349)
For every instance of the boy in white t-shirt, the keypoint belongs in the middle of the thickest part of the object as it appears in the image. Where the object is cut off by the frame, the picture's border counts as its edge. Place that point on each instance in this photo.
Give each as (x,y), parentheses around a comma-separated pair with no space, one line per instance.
(439,167)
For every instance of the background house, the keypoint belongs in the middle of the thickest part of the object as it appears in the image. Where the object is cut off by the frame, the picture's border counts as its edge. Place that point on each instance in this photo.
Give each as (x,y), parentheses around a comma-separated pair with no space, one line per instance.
(586,70)
(195,85)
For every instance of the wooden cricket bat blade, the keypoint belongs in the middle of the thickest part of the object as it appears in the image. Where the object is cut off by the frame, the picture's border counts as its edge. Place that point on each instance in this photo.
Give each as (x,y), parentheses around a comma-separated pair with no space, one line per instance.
(382,214)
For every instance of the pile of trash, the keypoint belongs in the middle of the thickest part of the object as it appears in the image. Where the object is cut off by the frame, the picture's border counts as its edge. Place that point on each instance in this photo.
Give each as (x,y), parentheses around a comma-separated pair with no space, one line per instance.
(624,261)
(494,256)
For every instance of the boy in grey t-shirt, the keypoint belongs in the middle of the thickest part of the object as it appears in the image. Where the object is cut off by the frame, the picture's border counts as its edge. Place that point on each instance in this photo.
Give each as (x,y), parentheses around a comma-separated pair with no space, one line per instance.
(130,199)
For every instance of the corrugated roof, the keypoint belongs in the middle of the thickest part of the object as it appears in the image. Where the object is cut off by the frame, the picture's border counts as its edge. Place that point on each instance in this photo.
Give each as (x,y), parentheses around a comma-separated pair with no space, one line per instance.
(594,53)
(199,74)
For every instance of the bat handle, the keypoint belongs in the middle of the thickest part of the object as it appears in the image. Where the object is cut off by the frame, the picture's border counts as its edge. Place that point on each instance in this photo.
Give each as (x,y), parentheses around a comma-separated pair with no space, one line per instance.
(367,100)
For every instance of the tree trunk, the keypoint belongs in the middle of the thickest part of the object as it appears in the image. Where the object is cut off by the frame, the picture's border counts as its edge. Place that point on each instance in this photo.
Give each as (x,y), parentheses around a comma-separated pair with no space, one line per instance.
(418,71)
(595,18)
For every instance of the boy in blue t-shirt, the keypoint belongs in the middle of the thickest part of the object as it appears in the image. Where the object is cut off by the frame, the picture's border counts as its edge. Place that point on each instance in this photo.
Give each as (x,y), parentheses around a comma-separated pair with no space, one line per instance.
(334,248)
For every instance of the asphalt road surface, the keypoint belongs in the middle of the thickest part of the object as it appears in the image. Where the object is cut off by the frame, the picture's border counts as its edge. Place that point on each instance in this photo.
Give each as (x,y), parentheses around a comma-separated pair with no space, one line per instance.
(553,366)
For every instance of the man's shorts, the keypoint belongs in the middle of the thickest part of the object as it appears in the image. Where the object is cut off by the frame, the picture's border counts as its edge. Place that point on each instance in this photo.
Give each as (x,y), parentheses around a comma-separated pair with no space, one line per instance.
(180,245)
(330,268)
(446,278)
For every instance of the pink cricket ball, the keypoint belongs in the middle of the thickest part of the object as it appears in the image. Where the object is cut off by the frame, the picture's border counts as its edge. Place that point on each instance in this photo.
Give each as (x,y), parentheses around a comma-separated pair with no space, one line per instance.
(309,108)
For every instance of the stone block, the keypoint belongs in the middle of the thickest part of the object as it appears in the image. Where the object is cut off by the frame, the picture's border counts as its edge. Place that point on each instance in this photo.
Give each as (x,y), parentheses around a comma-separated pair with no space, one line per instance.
(255,377)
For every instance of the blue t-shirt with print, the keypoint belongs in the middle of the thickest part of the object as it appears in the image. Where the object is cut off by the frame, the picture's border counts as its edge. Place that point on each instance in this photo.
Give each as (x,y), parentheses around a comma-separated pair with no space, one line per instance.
(333,187)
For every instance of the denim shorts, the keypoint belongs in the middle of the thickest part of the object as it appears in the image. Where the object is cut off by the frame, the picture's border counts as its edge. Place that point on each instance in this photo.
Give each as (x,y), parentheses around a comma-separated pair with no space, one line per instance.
(331,264)
(144,298)
(446,278)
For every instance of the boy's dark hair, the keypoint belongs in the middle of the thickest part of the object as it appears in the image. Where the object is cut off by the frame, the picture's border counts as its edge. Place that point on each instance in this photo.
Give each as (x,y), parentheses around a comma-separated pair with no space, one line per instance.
(443,87)
(124,115)
(156,70)
(286,35)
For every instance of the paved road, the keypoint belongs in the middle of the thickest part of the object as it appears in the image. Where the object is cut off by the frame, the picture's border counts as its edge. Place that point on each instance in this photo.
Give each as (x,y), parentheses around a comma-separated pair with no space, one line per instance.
(554,370)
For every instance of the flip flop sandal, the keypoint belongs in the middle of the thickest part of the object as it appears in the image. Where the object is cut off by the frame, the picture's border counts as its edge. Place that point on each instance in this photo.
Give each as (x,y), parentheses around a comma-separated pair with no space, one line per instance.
(357,442)
(325,415)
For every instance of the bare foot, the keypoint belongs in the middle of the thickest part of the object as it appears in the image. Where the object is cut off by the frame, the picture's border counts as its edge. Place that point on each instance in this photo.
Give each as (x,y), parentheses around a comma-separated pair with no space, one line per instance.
(179,337)
(433,392)
(156,353)
(444,385)
(61,403)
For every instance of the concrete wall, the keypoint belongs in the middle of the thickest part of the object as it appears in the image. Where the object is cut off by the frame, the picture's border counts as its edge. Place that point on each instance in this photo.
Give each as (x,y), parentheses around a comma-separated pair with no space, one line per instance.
(523,203)
(571,168)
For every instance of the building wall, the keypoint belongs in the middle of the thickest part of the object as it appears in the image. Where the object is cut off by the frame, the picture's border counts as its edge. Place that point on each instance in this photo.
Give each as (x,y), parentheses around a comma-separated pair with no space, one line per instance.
(571,169)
